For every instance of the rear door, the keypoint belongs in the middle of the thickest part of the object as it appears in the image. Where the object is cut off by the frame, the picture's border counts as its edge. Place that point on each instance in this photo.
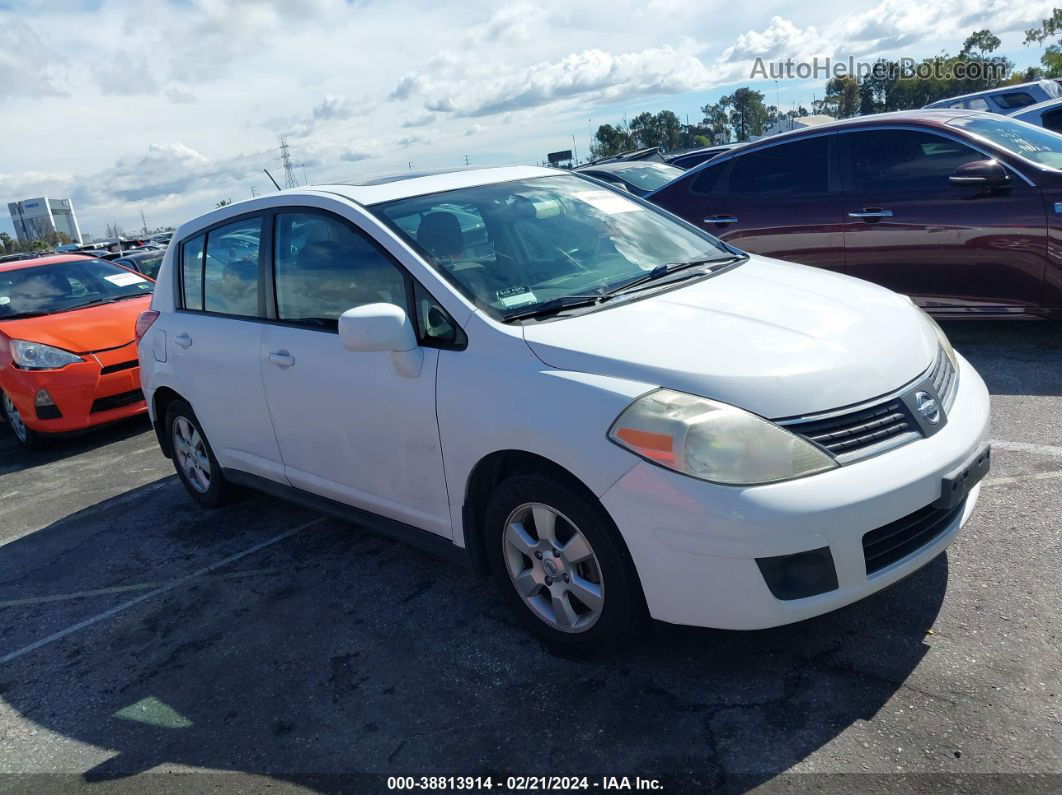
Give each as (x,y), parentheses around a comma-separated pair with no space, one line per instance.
(781,200)
(216,340)
(909,229)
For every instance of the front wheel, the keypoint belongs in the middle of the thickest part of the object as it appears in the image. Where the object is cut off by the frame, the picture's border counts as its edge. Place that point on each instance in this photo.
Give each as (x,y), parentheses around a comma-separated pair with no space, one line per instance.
(193,459)
(26,436)
(561,565)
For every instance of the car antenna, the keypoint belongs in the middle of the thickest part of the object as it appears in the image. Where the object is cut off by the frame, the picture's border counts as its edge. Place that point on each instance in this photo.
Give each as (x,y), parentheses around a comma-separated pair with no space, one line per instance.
(266,170)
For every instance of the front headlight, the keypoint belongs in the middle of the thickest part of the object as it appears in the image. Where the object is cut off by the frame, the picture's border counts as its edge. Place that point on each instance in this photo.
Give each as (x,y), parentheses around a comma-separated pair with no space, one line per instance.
(37,356)
(714,441)
(945,343)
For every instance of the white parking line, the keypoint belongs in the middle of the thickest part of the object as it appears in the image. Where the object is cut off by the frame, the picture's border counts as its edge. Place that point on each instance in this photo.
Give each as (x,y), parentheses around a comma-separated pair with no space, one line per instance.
(142,586)
(1023,478)
(88,622)
(1026,447)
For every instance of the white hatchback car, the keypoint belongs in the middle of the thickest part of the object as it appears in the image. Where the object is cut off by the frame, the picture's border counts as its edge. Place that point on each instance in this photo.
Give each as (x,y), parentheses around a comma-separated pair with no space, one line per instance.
(610,411)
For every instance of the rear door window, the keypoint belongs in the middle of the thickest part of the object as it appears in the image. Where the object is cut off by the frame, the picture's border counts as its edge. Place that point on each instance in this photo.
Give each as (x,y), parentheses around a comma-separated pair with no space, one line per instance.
(794,169)
(231,283)
(1014,99)
(192,273)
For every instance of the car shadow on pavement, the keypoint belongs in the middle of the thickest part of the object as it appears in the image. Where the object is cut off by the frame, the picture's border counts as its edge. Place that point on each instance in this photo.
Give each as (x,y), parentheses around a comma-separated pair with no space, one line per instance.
(333,653)
(1014,357)
(14,458)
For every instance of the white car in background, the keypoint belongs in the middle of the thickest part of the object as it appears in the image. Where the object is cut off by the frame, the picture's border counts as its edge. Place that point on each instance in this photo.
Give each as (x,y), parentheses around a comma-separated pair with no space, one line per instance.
(1043,114)
(609,410)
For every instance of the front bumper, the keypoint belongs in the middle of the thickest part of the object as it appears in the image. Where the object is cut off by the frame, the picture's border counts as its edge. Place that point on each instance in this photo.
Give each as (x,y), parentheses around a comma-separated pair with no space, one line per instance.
(102,389)
(695,544)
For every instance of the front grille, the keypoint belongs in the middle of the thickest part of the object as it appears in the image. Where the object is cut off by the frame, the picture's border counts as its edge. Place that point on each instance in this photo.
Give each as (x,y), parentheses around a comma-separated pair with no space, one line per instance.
(897,540)
(117,401)
(117,368)
(854,432)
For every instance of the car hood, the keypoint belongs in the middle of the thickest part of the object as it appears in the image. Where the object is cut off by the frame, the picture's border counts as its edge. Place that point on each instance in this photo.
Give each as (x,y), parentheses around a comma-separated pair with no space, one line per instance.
(777,339)
(96,328)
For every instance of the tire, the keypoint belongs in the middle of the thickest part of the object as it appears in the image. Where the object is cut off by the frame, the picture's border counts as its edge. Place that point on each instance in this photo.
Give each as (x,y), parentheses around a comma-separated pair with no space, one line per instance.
(27,438)
(547,593)
(194,459)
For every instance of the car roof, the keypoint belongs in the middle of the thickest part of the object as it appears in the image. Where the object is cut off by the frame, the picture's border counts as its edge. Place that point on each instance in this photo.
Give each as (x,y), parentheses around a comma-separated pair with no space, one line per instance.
(32,263)
(990,92)
(403,186)
(622,165)
(1045,105)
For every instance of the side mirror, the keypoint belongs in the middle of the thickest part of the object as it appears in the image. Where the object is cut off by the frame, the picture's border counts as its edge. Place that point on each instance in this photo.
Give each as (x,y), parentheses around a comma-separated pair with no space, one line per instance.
(382,327)
(980,174)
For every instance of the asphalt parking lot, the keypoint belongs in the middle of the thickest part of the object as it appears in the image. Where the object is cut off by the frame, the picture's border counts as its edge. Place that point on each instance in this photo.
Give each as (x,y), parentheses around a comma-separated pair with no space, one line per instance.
(142,638)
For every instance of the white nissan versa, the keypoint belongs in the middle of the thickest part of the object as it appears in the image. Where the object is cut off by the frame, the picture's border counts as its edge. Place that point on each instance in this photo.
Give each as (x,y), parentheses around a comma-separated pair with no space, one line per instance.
(609,410)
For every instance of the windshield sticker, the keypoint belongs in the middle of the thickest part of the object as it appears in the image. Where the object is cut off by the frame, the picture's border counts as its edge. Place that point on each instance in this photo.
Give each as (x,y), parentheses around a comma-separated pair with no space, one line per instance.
(607,202)
(125,279)
(516,296)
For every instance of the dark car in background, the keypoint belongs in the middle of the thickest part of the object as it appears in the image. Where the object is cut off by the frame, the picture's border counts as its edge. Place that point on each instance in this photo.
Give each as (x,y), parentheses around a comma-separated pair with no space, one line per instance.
(638,176)
(146,262)
(958,209)
(694,157)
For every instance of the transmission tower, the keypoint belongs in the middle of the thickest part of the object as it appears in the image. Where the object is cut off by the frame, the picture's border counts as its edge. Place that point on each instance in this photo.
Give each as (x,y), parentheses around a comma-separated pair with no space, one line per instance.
(289,169)
(143,220)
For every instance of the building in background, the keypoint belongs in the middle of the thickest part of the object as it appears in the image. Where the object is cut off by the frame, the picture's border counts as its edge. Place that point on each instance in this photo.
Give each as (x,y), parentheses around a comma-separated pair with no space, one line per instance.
(37,219)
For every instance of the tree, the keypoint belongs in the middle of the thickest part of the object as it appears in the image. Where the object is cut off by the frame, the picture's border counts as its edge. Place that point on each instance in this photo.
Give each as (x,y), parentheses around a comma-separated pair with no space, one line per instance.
(745,112)
(717,123)
(1050,28)
(611,140)
(983,41)
(224,203)
(7,244)
(843,98)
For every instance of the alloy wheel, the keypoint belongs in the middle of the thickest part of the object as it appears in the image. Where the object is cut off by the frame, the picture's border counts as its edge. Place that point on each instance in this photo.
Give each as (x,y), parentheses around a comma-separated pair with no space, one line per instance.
(13,417)
(191,454)
(553,567)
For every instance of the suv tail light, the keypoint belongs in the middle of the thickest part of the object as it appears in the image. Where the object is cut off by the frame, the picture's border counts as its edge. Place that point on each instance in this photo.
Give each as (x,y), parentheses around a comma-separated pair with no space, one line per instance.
(143,323)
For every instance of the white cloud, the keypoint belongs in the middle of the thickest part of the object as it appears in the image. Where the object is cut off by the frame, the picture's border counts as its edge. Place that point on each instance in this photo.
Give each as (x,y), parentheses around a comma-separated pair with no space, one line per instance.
(590,76)
(361,149)
(419,120)
(475,129)
(27,67)
(415,140)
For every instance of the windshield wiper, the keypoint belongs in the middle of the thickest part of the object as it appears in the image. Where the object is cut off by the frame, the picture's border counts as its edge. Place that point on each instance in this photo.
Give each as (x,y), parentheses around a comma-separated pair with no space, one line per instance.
(666,269)
(20,315)
(555,305)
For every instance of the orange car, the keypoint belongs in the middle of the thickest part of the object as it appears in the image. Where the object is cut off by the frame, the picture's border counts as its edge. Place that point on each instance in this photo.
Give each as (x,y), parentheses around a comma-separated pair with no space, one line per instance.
(68,357)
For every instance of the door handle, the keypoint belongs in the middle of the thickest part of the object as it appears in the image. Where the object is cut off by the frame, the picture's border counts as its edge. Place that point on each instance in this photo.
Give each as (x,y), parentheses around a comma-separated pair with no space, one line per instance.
(282,359)
(871,212)
(182,341)
(720,219)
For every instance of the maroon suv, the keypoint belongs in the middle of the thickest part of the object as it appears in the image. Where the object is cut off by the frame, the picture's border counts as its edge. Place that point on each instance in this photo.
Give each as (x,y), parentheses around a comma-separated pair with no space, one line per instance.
(960,210)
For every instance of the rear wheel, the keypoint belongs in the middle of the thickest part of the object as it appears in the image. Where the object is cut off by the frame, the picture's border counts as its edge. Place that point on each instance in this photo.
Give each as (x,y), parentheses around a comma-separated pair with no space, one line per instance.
(559,562)
(27,437)
(193,459)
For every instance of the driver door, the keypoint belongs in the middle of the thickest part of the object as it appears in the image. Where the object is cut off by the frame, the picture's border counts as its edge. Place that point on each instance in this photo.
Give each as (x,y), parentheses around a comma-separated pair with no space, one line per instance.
(908,228)
(350,426)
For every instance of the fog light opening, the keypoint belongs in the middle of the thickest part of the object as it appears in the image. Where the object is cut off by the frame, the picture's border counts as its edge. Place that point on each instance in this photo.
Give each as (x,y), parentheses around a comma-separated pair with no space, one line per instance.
(46,408)
(801,575)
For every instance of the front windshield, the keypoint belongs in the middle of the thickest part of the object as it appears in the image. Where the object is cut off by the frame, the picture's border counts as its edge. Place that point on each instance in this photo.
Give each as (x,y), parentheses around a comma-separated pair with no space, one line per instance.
(514,245)
(649,176)
(1025,140)
(44,289)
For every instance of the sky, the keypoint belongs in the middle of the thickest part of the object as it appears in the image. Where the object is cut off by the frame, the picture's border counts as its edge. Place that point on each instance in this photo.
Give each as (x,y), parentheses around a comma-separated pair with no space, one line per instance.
(168,106)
